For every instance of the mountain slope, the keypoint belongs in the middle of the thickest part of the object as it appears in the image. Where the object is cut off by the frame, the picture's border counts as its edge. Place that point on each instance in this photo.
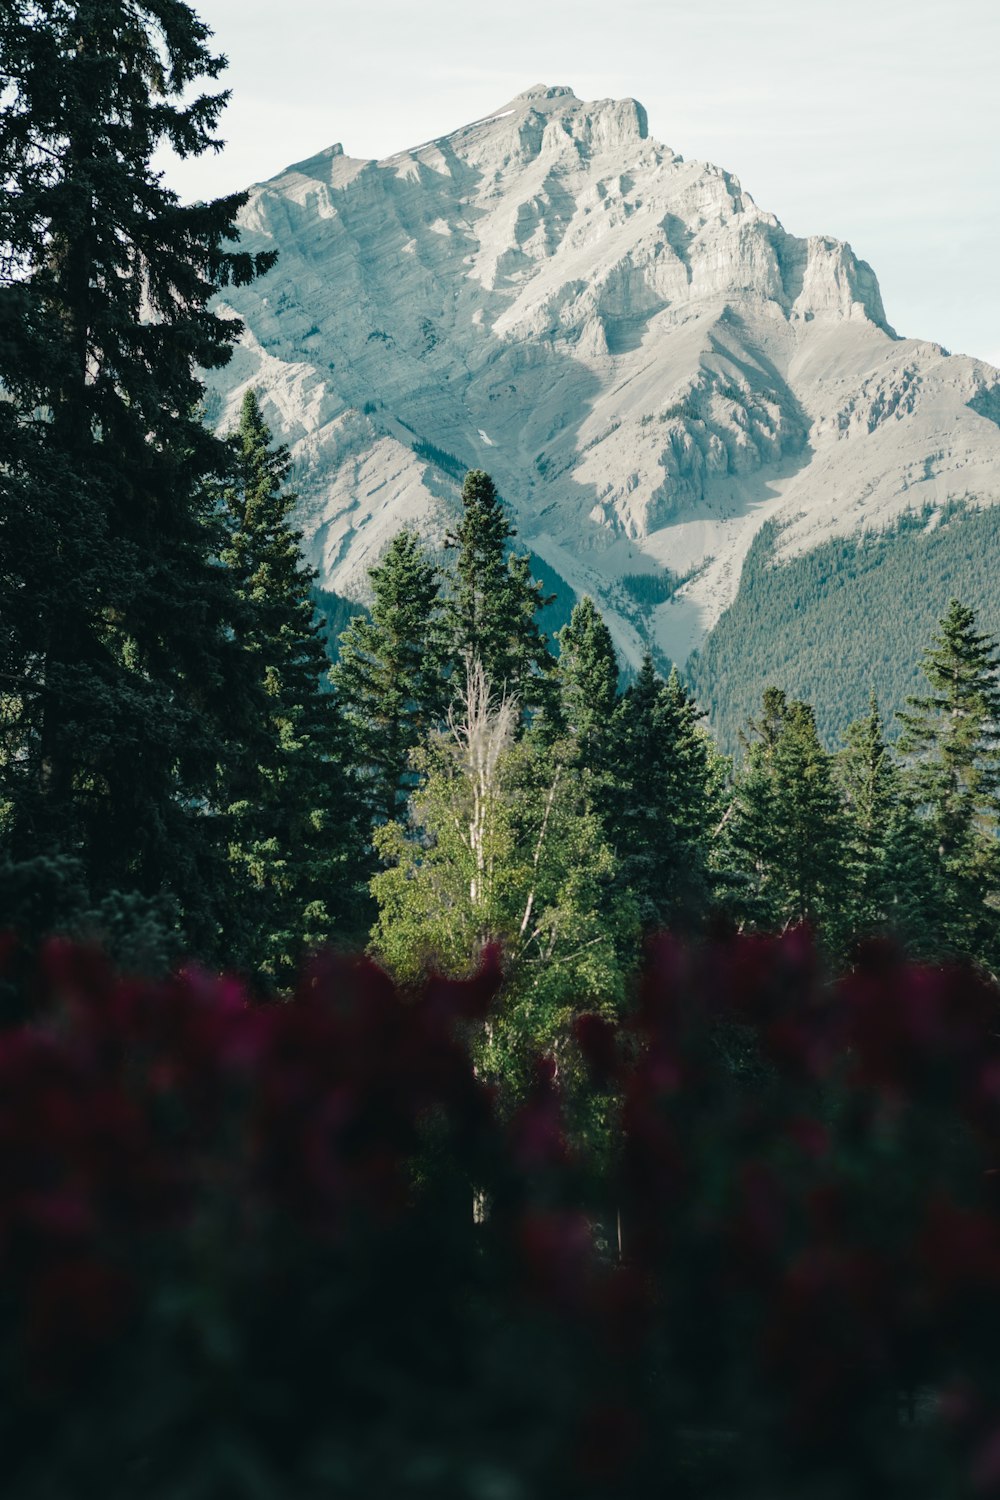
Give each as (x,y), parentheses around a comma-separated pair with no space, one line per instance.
(850,616)
(649,364)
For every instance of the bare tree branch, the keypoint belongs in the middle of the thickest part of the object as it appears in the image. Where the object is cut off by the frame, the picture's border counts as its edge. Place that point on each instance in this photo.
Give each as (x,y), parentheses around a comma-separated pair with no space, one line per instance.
(529,904)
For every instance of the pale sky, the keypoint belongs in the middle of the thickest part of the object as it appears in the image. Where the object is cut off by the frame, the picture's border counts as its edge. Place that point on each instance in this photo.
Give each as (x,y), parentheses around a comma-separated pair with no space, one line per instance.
(877,121)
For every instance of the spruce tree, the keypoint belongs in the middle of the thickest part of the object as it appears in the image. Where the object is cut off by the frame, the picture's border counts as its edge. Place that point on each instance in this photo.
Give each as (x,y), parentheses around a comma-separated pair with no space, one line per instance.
(588,679)
(951,737)
(914,883)
(390,673)
(870,784)
(788,829)
(659,799)
(494,603)
(293,819)
(120,661)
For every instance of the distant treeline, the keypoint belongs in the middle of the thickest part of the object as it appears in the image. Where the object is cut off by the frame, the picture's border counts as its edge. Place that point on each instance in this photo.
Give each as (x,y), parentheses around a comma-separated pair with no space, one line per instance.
(846,619)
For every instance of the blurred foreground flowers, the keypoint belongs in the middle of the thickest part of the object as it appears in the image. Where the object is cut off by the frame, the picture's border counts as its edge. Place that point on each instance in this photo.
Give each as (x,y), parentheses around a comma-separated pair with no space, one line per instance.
(302,1250)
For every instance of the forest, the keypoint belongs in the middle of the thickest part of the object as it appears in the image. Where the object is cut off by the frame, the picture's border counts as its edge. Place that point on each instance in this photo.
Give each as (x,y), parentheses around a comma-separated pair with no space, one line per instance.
(432,1062)
(793,617)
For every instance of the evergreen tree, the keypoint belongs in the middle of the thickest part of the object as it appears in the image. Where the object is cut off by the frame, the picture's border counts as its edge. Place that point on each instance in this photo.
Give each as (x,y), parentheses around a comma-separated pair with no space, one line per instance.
(660,805)
(951,736)
(121,673)
(788,829)
(293,821)
(588,678)
(390,674)
(914,882)
(870,784)
(491,614)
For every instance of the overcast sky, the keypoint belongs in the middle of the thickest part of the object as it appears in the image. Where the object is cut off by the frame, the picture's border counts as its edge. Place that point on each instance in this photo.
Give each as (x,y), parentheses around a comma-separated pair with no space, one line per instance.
(874,120)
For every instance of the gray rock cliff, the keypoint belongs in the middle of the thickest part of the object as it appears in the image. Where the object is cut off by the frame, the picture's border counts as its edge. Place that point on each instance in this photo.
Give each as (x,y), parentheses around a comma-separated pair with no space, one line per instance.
(649,364)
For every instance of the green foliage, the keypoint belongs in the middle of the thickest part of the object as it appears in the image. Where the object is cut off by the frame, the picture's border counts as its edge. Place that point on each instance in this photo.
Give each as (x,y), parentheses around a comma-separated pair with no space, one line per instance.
(48,895)
(588,679)
(951,738)
(293,810)
(441,459)
(651,589)
(870,785)
(846,619)
(123,687)
(390,673)
(492,609)
(788,832)
(504,847)
(334,613)
(660,799)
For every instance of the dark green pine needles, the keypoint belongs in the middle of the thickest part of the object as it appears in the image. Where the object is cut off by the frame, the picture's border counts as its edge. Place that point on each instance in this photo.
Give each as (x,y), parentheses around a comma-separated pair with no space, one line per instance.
(390,674)
(491,612)
(951,738)
(869,783)
(660,799)
(788,828)
(122,680)
(588,678)
(294,833)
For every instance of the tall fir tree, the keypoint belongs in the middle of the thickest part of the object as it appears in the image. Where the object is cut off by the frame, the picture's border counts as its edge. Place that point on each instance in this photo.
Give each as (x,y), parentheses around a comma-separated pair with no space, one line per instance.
(870,784)
(788,830)
(294,834)
(951,739)
(659,801)
(390,673)
(588,680)
(492,612)
(120,668)
(914,882)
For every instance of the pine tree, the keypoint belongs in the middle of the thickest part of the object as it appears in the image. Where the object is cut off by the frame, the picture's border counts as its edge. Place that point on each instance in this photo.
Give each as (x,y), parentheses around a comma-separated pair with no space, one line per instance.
(914,883)
(951,737)
(588,677)
(492,611)
(390,674)
(870,784)
(293,822)
(660,805)
(122,674)
(788,827)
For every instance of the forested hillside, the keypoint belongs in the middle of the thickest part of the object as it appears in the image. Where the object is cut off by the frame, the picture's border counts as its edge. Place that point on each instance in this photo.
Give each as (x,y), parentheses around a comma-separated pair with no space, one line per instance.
(846,619)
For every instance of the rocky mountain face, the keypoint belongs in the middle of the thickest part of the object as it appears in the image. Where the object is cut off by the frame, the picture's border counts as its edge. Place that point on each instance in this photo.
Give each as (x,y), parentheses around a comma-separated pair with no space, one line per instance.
(648,364)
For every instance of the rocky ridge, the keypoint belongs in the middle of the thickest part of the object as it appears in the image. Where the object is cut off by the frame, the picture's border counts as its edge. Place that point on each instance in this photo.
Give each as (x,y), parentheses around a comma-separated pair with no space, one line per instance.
(646,361)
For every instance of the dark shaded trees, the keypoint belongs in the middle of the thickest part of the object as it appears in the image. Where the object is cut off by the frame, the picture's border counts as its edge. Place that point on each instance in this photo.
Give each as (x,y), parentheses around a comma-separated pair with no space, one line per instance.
(788,830)
(659,800)
(870,784)
(390,674)
(293,818)
(121,675)
(951,739)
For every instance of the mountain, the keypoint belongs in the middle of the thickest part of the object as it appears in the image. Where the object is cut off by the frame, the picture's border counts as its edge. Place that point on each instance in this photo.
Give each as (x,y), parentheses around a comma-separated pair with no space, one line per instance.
(650,366)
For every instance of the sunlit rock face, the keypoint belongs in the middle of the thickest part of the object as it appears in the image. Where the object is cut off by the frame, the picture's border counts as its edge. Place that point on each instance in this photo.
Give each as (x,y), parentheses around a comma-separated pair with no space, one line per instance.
(649,364)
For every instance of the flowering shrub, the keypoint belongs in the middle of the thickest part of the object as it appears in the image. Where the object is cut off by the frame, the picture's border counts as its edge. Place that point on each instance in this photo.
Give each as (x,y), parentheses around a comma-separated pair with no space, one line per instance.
(299,1250)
